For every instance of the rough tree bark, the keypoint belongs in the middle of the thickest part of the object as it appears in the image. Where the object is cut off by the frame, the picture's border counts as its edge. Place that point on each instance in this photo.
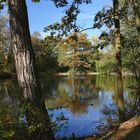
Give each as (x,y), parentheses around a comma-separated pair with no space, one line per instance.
(119,82)
(22,49)
(24,57)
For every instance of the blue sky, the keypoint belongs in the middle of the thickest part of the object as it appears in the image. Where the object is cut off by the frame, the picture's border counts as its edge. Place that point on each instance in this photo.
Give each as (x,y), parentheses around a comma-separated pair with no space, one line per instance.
(45,13)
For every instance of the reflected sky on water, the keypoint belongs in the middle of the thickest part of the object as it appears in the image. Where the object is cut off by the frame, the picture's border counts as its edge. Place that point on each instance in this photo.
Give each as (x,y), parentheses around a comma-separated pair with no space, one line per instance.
(87,105)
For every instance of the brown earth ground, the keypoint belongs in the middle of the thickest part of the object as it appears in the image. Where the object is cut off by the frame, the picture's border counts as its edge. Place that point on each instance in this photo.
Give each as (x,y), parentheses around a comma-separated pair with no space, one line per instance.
(129,130)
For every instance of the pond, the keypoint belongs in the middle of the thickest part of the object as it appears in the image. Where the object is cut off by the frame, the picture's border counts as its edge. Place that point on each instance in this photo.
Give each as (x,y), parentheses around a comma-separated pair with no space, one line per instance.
(79,107)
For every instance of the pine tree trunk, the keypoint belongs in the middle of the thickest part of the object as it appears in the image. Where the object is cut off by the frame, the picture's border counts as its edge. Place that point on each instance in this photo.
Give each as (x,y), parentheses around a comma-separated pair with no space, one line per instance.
(119,82)
(24,58)
(136,10)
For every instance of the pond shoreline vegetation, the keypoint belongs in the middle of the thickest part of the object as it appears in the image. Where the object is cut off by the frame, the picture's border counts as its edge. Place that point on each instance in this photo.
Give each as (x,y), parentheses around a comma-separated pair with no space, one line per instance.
(7,75)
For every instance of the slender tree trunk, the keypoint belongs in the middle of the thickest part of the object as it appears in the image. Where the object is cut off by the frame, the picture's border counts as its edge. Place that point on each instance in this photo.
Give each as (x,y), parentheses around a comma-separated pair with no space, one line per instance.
(136,9)
(117,39)
(24,57)
(119,82)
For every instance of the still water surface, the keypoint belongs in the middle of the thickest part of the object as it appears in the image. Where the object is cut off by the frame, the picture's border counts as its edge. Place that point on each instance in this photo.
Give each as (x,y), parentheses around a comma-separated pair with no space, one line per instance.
(79,107)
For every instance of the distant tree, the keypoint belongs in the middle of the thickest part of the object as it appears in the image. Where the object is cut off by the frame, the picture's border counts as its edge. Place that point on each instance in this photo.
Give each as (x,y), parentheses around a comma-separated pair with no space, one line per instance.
(36,38)
(47,54)
(76,53)
(36,34)
(6,55)
(106,62)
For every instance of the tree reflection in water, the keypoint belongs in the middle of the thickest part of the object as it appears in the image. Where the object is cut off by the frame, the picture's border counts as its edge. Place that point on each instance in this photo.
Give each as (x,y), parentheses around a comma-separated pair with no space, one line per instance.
(119,99)
(89,104)
(134,103)
(22,118)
